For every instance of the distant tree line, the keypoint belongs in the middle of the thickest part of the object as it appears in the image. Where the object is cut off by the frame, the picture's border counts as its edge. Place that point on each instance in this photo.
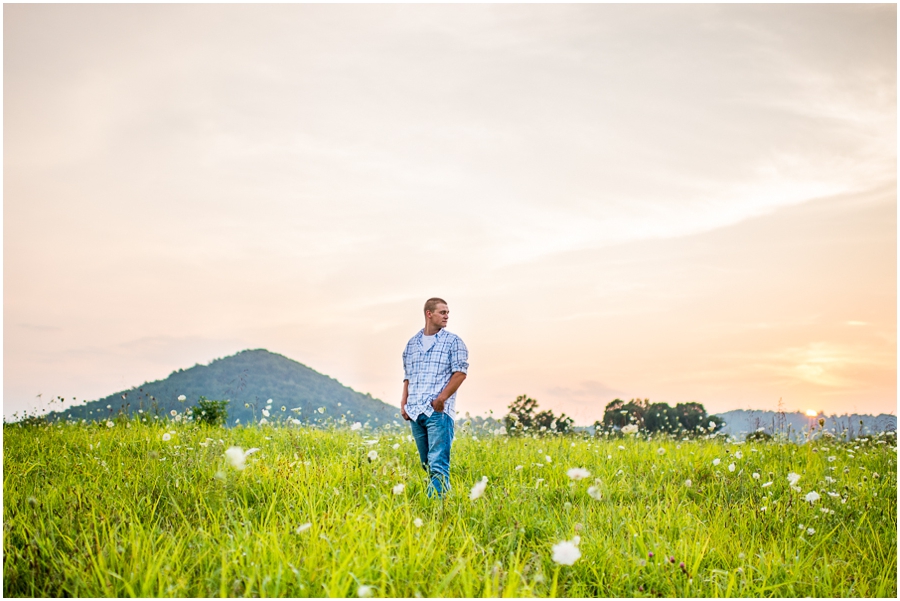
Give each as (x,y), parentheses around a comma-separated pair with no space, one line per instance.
(683,418)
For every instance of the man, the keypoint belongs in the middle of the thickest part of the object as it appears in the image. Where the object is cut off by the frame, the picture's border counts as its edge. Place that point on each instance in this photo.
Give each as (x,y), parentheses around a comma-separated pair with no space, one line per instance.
(435,363)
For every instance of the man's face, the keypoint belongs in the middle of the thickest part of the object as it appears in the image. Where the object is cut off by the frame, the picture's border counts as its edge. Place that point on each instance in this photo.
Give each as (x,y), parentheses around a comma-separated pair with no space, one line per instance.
(438,317)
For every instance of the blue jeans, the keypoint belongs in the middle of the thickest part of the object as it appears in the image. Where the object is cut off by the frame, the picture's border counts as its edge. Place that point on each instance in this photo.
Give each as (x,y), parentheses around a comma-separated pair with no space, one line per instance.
(433,436)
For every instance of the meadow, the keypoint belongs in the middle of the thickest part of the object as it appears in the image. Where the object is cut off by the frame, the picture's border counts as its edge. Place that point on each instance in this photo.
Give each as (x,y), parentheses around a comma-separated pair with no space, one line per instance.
(162,508)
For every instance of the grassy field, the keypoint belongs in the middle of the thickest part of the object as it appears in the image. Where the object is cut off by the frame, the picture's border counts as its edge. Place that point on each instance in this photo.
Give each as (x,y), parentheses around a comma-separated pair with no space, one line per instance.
(157,509)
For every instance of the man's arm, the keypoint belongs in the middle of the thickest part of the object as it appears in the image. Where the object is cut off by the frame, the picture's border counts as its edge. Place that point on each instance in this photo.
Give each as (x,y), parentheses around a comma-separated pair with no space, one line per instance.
(403,400)
(455,380)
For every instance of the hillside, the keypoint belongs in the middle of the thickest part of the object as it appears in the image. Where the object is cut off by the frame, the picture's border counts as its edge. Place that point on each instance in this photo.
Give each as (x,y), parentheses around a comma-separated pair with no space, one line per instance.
(740,422)
(249,377)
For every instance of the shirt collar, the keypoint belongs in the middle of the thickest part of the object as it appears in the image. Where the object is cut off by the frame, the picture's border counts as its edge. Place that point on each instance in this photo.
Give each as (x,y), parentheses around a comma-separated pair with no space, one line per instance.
(440,333)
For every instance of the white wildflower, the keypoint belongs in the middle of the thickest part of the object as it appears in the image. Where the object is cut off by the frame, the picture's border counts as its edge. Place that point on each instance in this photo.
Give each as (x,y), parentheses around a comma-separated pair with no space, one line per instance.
(688,483)
(755,476)
(265,412)
(518,467)
(630,429)
(399,489)
(812,496)
(303,527)
(716,461)
(547,457)
(793,478)
(356,426)
(110,424)
(396,446)
(235,456)
(731,467)
(182,398)
(166,437)
(578,473)
(478,489)
(738,455)
(373,455)
(594,493)
(417,522)
(660,451)
(566,553)
(365,590)
(173,413)
(767,484)
(810,531)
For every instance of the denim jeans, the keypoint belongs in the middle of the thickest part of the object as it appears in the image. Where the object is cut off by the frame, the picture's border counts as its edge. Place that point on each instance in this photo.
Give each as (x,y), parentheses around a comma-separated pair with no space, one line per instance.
(433,436)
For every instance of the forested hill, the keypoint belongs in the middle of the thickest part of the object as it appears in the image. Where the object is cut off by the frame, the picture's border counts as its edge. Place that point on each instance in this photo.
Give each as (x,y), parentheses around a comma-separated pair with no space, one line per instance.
(249,377)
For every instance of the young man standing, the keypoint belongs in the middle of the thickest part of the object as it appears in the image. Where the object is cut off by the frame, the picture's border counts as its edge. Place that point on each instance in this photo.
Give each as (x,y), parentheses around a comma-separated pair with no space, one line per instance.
(435,363)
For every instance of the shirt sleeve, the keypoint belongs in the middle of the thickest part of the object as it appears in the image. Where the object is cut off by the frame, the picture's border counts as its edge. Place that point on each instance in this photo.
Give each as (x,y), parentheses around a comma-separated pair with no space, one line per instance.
(459,357)
(406,362)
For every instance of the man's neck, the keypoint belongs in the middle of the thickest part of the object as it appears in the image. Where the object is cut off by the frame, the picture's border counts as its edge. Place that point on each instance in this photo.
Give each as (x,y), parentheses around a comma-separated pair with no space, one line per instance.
(431,330)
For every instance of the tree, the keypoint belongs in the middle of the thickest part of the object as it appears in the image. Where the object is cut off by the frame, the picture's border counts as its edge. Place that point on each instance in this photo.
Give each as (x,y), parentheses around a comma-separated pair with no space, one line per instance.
(521,415)
(618,413)
(660,417)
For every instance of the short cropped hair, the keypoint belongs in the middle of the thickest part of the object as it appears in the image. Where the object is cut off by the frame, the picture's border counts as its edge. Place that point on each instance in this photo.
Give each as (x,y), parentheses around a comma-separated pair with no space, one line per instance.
(432,303)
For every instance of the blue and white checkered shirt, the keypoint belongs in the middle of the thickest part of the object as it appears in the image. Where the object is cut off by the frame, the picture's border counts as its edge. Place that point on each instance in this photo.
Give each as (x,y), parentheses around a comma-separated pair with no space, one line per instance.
(429,371)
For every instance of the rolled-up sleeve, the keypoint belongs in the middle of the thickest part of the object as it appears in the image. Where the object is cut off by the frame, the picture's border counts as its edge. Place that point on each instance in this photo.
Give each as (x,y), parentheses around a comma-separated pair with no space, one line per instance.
(459,357)
(406,362)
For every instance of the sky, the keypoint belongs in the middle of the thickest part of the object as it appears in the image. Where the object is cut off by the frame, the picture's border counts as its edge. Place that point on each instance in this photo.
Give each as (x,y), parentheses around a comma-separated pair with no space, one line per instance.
(672,202)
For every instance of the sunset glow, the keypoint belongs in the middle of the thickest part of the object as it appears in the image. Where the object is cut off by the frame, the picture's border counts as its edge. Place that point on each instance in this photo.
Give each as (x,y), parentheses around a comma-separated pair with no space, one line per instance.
(672,202)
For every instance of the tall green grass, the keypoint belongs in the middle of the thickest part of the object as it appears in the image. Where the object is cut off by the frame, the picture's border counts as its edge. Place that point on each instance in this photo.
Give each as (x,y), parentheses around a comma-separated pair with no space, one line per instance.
(91,510)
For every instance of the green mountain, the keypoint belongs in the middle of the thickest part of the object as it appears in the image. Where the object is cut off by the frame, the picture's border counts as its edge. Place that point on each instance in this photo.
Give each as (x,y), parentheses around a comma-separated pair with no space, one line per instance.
(250,377)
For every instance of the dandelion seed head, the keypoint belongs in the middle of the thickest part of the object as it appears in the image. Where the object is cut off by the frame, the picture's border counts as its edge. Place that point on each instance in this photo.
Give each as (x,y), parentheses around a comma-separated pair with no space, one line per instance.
(398,490)
(478,489)
(110,424)
(578,473)
(688,483)
(166,437)
(417,522)
(594,493)
(566,553)
(365,590)
(373,455)
(235,456)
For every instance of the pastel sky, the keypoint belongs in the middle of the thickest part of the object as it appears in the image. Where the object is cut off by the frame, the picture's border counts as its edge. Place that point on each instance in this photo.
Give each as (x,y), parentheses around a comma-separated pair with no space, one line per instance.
(673,202)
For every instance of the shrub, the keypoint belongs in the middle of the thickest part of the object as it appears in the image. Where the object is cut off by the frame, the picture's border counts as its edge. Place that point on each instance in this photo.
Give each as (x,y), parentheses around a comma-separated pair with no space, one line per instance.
(213,413)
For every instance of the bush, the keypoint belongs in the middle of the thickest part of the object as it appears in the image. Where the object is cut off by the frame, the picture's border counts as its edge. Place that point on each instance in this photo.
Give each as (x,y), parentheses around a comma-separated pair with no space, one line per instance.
(759,435)
(213,413)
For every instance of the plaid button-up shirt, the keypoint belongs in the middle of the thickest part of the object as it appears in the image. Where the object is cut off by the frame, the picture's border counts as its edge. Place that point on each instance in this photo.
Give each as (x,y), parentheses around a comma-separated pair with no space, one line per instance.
(429,371)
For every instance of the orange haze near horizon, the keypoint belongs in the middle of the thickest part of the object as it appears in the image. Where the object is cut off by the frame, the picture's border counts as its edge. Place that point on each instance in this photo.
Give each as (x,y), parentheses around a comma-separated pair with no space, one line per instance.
(672,202)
